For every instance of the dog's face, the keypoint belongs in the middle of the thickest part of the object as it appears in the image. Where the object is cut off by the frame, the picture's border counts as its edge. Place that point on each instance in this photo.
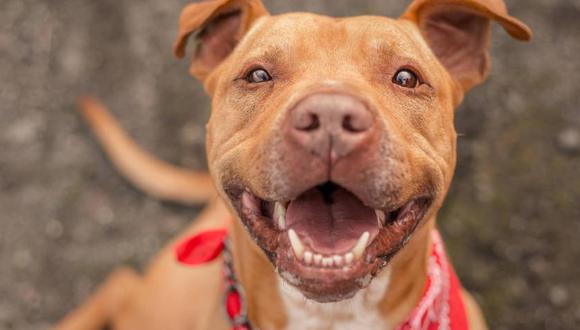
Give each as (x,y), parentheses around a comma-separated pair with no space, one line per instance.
(333,138)
(332,143)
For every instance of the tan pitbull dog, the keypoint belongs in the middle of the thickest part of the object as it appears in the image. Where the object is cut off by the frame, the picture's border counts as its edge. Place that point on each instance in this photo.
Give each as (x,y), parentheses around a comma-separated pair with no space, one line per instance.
(324,133)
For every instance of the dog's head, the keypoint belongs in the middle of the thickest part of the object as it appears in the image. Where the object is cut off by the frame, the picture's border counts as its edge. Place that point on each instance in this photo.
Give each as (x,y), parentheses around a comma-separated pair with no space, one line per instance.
(333,138)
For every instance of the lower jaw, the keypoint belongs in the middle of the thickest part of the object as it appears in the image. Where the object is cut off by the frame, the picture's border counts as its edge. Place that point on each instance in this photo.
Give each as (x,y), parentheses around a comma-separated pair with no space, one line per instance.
(325,292)
(325,285)
(332,285)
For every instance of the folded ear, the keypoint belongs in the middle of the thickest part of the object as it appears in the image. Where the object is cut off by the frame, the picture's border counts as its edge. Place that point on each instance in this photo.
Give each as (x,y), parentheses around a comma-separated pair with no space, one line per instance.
(458,32)
(216,27)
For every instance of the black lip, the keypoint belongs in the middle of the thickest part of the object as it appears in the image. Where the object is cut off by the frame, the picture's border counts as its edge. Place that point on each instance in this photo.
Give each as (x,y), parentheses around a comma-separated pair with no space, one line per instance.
(405,227)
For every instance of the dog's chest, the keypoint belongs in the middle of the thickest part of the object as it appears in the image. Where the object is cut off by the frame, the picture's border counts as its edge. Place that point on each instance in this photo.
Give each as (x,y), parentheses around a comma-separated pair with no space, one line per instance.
(360,312)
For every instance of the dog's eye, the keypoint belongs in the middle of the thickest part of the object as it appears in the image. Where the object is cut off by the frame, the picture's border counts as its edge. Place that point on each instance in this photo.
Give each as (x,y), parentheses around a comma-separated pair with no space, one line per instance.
(258,76)
(406,78)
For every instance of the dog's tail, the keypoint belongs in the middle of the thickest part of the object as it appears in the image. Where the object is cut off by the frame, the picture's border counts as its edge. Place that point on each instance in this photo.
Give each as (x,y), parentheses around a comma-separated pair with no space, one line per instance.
(154,176)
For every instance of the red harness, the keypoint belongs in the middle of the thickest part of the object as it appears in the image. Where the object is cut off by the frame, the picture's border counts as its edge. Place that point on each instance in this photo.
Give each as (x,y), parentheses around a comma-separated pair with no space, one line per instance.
(440,308)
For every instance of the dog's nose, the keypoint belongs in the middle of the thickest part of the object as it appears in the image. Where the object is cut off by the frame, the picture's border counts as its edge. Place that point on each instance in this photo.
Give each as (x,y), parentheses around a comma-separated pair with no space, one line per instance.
(330,125)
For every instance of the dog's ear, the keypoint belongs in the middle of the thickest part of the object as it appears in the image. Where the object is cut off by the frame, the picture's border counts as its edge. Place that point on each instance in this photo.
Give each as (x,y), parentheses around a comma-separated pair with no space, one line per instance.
(216,27)
(458,32)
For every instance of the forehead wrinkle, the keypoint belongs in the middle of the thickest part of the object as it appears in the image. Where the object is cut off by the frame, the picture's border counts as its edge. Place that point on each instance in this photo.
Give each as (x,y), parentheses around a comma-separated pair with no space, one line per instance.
(379,37)
(412,45)
(269,54)
(294,24)
(370,46)
(391,37)
(324,38)
(378,23)
(280,35)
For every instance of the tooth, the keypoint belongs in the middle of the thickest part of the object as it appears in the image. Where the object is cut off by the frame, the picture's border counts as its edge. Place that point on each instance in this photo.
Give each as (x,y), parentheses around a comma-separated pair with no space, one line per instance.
(360,245)
(280,215)
(317,259)
(327,262)
(308,257)
(296,243)
(337,260)
(380,217)
(348,258)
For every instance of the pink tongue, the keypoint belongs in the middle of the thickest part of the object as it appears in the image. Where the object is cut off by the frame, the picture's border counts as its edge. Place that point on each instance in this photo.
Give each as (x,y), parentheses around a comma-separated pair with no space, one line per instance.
(330,227)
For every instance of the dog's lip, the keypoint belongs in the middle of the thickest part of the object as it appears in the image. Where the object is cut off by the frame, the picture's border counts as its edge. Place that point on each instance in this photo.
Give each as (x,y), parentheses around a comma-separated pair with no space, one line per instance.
(326,284)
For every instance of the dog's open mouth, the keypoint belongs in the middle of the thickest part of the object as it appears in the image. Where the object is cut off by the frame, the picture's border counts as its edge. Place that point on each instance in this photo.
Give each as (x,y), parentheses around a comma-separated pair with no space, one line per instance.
(327,242)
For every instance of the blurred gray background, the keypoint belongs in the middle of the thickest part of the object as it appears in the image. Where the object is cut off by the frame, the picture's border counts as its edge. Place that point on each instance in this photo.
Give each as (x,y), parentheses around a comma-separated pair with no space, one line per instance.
(512,220)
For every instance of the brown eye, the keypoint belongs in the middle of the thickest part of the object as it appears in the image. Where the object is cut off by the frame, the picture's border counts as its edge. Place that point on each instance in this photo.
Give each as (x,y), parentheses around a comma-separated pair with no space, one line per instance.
(406,78)
(258,76)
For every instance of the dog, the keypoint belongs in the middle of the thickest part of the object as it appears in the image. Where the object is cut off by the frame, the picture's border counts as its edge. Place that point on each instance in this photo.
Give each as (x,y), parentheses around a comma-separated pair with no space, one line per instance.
(331,147)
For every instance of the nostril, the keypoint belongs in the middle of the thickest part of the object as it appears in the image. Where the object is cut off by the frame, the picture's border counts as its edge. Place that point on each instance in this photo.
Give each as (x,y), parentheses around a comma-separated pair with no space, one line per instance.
(347,124)
(308,122)
(355,124)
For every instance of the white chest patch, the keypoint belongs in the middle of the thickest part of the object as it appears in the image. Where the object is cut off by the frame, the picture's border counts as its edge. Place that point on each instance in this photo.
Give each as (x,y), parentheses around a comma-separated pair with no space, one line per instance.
(359,312)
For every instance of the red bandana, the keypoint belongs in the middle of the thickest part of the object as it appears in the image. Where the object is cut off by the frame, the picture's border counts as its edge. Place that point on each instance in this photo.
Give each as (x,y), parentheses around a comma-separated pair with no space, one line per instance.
(440,308)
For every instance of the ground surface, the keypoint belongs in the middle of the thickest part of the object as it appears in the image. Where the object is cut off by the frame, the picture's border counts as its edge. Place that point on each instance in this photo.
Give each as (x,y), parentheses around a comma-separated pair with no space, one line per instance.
(512,220)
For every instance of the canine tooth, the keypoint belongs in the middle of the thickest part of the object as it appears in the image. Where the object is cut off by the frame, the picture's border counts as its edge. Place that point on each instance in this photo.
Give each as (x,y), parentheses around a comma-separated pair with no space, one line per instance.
(348,258)
(308,257)
(360,245)
(296,243)
(380,217)
(337,260)
(327,262)
(280,215)
(317,259)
